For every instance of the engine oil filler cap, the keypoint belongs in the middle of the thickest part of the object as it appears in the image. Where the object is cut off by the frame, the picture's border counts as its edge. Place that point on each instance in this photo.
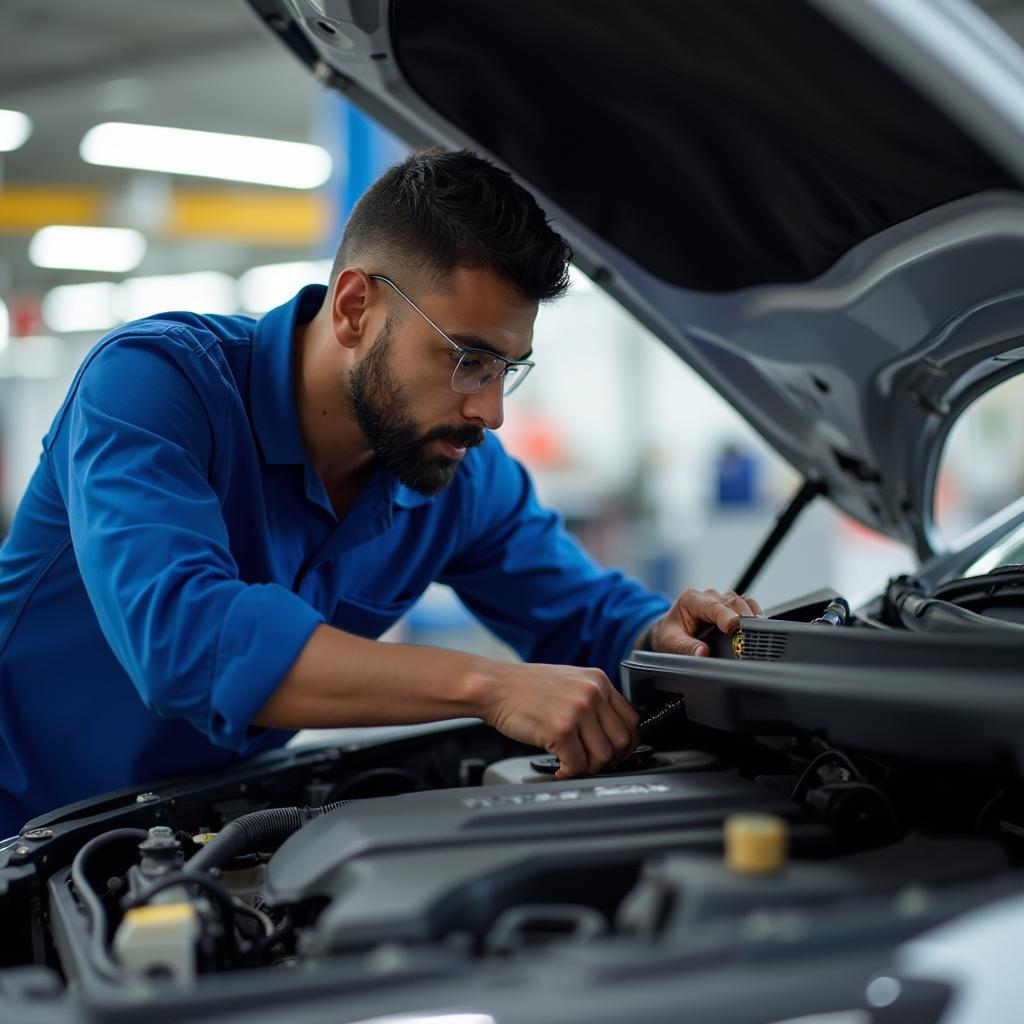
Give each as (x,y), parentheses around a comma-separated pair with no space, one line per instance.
(632,762)
(756,844)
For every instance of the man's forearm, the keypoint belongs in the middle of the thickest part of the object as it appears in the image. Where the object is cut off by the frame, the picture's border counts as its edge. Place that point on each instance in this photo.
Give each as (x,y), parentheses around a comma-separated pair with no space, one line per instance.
(340,679)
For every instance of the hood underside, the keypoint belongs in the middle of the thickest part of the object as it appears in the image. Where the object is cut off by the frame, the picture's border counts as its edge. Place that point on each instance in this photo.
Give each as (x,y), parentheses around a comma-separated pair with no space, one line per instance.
(833,244)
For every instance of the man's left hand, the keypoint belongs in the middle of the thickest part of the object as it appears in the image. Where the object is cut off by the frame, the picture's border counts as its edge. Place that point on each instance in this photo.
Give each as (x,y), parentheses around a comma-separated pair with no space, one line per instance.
(676,632)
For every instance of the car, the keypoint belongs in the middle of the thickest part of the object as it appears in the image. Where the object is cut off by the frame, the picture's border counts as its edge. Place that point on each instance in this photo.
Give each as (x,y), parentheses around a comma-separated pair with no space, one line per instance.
(818,205)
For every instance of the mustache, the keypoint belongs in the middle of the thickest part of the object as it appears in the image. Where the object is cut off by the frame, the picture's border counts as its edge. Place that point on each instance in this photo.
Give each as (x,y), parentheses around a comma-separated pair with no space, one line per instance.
(459,437)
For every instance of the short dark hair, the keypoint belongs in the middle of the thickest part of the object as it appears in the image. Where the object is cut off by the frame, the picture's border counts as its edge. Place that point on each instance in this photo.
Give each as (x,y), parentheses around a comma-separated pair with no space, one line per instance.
(438,210)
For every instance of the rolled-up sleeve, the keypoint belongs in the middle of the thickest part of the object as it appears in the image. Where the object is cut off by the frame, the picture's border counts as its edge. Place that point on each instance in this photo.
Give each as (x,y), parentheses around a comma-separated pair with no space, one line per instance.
(525,577)
(134,453)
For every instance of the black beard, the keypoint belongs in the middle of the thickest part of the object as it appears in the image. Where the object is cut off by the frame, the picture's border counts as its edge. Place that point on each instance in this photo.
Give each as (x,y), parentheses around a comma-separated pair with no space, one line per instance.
(378,401)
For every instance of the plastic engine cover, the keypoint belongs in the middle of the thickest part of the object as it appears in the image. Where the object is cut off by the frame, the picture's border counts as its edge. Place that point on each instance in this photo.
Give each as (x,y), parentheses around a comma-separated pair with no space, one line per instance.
(417,866)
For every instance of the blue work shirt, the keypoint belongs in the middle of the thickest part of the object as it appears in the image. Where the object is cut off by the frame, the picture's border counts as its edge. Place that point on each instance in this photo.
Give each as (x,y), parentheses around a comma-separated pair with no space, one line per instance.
(175,550)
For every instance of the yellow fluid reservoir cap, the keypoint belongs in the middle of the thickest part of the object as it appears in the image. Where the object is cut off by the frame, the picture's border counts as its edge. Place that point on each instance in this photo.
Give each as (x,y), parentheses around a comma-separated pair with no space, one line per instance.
(756,844)
(160,914)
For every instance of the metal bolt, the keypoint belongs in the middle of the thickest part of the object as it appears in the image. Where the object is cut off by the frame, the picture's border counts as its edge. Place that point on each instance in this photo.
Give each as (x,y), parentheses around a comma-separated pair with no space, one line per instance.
(146,798)
(36,834)
(327,75)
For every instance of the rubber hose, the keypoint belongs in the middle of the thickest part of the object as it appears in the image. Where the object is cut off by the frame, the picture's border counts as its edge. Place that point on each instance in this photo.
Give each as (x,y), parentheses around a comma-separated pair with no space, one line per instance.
(259,830)
(95,912)
(929,615)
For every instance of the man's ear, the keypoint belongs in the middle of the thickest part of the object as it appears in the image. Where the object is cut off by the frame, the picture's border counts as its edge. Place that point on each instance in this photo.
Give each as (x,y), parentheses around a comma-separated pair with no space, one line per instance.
(350,307)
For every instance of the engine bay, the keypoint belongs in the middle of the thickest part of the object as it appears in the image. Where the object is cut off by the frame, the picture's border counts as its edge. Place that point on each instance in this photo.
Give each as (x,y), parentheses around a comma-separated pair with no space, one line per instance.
(794,821)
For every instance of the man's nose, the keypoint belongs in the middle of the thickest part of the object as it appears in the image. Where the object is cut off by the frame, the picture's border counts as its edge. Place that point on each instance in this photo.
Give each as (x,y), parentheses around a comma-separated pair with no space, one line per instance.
(487,405)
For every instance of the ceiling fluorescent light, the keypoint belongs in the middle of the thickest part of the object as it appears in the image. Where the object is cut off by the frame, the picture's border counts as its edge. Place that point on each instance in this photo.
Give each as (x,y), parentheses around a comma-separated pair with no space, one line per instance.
(206,154)
(205,291)
(71,308)
(15,128)
(265,287)
(67,247)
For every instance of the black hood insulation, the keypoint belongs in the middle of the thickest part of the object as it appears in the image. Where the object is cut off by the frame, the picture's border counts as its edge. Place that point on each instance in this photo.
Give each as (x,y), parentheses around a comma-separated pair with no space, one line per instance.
(719,145)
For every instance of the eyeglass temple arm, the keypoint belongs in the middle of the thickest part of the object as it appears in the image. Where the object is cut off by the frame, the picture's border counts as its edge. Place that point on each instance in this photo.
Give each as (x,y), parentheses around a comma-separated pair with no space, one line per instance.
(387,280)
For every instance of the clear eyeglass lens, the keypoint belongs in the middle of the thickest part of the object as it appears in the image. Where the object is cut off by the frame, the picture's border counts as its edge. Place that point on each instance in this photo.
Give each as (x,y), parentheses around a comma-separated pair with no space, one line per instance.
(514,376)
(477,369)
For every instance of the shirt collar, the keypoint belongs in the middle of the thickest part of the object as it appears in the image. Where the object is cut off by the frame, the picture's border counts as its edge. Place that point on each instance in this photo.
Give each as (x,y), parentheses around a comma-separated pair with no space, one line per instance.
(272,394)
(275,418)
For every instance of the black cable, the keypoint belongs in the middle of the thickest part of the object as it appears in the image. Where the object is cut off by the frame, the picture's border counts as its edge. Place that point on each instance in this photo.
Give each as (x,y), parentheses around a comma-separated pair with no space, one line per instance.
(817,761)
(220,896)
(95,912)
(268,926)
(272,934)
(666,711)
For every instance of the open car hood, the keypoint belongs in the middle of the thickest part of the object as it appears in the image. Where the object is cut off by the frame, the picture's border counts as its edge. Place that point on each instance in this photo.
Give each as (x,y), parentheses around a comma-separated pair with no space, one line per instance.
(834,244)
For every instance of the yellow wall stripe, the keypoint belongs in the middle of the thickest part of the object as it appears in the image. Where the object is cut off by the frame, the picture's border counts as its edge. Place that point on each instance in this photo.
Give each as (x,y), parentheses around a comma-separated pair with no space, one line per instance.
(253,216)
(26,208)
(248,215)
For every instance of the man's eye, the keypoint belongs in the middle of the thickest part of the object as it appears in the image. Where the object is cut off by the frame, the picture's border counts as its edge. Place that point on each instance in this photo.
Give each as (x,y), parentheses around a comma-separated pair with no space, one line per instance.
(470,362)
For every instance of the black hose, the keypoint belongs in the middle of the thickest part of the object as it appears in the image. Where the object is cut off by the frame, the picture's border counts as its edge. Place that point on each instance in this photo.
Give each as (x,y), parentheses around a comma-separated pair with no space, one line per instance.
(906,604)
(94,910)
(260,830)
(929,615)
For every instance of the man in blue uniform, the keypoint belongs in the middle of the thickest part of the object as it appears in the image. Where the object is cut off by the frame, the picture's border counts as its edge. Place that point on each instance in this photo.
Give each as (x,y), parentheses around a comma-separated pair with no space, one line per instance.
(228,513)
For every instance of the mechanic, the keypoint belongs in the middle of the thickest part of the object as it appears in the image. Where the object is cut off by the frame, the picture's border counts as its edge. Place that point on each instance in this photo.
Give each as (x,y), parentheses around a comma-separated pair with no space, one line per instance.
(227,513)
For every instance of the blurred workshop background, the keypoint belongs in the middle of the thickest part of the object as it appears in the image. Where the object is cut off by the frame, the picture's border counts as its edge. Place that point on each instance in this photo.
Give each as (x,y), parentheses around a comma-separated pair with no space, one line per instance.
(650,467)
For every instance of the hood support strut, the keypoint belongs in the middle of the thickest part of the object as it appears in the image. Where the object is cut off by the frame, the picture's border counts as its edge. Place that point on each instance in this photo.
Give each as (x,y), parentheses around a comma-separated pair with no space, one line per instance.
(808,491)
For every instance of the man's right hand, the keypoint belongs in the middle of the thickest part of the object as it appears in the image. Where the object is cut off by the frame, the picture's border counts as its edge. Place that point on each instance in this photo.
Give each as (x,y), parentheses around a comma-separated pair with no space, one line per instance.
(573,713)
